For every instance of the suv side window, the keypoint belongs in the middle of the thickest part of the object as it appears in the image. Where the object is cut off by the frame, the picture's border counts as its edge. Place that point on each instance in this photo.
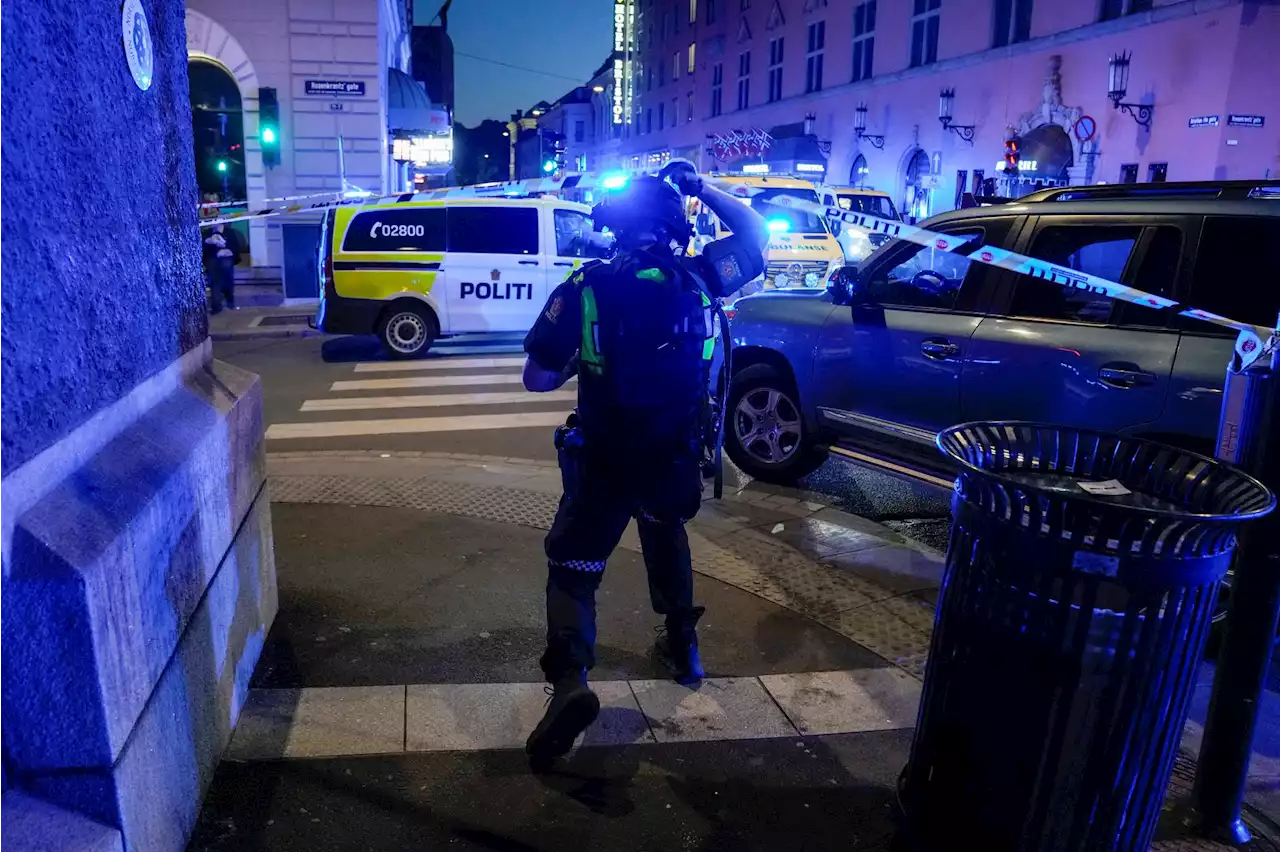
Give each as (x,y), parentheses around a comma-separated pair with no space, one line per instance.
(493,230)
(1234,275)
(1102,250)
(925,277)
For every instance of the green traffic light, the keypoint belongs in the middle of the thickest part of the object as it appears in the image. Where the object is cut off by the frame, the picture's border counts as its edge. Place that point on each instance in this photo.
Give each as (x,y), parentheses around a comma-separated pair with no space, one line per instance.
(222,165)
(549,166)
(268,136)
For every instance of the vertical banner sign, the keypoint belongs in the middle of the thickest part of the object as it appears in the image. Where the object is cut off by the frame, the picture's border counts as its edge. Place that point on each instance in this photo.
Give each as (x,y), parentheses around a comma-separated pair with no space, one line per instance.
(623,19)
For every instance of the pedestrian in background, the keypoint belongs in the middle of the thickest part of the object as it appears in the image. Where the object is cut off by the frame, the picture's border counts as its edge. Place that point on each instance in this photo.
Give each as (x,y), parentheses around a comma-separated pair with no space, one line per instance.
(221,254)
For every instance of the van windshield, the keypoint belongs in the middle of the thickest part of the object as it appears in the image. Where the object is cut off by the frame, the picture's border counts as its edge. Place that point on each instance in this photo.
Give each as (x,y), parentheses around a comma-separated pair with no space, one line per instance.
(874,205)
(785,220)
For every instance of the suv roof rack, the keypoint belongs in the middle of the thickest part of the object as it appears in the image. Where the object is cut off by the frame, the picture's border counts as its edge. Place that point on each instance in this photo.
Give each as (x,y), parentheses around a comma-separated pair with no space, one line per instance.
(1216,189)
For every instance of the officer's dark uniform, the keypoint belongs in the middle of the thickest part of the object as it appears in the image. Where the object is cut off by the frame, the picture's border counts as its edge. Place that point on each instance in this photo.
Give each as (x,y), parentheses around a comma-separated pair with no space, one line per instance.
(654,477)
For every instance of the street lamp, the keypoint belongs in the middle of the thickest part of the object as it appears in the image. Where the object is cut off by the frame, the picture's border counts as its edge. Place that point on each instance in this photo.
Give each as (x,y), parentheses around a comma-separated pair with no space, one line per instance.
(860,128)
(1118,86)
(946,103)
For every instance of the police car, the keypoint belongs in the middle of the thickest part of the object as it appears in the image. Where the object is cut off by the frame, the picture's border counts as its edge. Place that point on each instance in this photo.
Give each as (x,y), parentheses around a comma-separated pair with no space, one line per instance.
(418,268)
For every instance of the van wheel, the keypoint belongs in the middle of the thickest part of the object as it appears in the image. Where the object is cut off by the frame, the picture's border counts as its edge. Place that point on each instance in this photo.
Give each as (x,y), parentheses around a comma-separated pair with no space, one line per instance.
(407,331)
(764,431)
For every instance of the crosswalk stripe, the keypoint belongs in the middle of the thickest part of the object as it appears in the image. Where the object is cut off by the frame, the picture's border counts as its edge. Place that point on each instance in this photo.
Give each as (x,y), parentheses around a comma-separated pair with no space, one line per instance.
(427,382)
(414,425)
(438,364)
(434,400)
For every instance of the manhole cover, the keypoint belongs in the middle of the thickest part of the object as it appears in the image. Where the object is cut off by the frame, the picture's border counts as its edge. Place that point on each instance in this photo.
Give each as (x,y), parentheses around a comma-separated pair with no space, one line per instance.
(285,319)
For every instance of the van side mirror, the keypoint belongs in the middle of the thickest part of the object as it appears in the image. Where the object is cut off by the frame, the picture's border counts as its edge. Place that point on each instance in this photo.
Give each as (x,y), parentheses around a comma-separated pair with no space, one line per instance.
(845,286)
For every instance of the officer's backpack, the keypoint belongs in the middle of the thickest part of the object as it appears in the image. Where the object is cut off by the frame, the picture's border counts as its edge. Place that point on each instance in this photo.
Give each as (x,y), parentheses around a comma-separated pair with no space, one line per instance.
(648,337)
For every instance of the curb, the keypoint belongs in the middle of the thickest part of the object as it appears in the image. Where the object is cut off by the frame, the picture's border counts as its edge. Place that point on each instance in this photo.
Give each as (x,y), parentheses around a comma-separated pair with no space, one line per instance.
(265,333)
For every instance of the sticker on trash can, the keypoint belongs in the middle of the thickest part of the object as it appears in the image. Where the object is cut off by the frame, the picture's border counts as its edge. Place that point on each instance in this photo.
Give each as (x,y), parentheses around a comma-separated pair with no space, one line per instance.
(1110,488)
(1096,563)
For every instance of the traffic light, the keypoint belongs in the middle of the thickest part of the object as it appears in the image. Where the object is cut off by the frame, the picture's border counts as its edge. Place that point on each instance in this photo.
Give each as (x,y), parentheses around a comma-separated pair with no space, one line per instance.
(221,166)
(1011,154)
(269,126)
(549,166)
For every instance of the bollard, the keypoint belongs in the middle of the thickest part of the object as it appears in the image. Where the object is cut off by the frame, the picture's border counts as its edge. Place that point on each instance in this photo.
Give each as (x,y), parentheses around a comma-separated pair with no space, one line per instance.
(1249,416)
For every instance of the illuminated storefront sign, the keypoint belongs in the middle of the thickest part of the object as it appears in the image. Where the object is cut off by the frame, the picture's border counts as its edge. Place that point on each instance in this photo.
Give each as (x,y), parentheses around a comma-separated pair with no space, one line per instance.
(1023,166)
(755,169)
(810,167)
(624,18)
(423,150)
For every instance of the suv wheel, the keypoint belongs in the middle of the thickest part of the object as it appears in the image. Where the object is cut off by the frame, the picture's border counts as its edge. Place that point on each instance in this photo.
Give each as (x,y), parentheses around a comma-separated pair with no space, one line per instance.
(407,331)
(764,431)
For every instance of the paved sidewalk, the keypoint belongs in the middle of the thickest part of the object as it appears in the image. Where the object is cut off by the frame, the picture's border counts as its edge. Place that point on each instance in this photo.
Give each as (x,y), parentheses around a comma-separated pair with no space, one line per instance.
(401,678)
(254,322)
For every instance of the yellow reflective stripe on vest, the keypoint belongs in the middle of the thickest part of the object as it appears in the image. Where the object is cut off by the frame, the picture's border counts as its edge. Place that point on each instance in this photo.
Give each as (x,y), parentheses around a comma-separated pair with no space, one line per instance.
(708,345)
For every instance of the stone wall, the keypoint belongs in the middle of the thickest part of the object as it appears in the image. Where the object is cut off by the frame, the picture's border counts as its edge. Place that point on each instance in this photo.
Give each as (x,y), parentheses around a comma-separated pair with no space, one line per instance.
(139,578)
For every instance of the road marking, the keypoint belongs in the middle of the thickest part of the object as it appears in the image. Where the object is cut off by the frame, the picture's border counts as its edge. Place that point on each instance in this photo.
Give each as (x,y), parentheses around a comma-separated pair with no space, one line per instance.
(414,425)
(434,400)
(428,382)
(438,364)
(872,461)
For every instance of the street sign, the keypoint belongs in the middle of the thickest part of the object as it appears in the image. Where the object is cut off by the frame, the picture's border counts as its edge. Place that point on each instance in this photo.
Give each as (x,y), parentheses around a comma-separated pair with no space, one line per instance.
(1202,121)
(138,50)
(1085,128)
(336,88)
(1246,120)
(335,107)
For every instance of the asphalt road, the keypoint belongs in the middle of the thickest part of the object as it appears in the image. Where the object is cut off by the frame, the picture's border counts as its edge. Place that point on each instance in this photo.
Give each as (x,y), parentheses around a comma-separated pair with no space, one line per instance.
(327,393)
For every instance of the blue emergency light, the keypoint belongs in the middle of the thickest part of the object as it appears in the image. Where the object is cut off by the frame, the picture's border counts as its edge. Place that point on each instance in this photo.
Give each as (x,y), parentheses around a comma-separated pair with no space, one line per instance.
(613,181)
(778,226)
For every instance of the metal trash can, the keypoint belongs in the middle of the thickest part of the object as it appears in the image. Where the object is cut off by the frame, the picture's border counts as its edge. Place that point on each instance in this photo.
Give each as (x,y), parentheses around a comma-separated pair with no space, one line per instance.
(1080,584)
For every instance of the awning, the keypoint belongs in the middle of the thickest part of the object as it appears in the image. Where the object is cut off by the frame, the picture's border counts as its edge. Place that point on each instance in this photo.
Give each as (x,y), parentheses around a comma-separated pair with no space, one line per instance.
(409,110)
(1049,149)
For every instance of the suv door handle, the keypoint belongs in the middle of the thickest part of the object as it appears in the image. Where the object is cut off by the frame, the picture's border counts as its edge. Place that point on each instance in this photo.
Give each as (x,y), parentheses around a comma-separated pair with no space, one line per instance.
(1126,377)
(564,263)
(939,349)
(528,263)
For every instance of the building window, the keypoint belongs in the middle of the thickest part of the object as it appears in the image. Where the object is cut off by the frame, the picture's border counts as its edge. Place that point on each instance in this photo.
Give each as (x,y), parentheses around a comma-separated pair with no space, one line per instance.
(1011,22)
(688,108)
(717,83)
(662,115)
(662,75)
(579,131)
(813,57)
(648,120)
(692,58)
(744,78)
(1112,9)
(675,66)
(1129,173)
(693,11)
(675,111)
(1157,172)
(711,10)
(775,69)
(864,40)
(924,32)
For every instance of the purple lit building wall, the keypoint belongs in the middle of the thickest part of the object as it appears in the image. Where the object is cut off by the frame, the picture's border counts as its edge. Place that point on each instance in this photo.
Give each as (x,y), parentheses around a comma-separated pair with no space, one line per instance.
(1016,66)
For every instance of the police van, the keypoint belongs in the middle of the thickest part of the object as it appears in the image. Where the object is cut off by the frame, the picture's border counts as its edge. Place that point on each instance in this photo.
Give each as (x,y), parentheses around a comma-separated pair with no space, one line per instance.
(801,250)
(413,270)
(855,243)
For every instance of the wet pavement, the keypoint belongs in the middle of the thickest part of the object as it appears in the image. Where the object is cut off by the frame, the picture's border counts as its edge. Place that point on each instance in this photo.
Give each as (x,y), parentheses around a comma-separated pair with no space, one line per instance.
(400,677)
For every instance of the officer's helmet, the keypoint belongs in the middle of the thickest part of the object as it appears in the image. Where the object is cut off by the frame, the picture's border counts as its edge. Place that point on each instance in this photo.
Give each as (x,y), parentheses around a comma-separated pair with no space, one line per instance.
(645,206)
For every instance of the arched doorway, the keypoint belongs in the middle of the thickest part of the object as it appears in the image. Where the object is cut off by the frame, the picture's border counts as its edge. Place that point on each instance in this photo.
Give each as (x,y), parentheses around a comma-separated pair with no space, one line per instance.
(1044,156)
(917,201)
(217,120)
(209,41)
(859,171)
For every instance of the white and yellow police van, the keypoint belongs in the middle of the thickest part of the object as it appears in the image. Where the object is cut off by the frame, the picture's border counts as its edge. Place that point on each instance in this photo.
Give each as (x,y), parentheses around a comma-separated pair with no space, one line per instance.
(801,251)
(855,243)
(412,270)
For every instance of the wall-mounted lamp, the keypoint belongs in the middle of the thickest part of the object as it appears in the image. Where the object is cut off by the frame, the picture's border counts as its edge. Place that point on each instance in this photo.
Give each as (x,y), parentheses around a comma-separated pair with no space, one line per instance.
(597,89)
(946,103)
(1118,86)
(860,128)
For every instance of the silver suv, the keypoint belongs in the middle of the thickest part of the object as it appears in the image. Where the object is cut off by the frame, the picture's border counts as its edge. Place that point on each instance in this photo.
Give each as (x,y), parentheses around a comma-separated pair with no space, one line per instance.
(913,340)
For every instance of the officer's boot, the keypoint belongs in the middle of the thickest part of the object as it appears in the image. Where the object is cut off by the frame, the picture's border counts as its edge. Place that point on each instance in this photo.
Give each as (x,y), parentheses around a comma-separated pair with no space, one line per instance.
(572,708)
(677,647)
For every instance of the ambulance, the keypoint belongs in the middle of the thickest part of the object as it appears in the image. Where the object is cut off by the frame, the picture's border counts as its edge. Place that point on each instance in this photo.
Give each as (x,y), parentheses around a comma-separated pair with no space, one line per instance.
(857,244)
(410,271)
(801,249)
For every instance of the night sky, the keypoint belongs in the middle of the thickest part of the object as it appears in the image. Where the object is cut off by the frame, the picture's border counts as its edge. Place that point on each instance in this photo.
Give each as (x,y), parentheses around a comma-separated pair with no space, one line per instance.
(567,38)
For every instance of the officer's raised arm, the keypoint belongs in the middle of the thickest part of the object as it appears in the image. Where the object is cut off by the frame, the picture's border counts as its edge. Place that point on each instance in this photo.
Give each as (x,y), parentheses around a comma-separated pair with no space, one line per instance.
(741,219)
(552,344)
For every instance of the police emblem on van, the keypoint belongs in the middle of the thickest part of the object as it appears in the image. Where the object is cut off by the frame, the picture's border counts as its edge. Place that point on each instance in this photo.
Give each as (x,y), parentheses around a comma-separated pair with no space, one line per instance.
(494,275)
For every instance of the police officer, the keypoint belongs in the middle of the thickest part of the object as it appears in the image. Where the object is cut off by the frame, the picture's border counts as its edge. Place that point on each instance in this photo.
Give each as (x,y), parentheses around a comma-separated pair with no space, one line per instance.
(639,332)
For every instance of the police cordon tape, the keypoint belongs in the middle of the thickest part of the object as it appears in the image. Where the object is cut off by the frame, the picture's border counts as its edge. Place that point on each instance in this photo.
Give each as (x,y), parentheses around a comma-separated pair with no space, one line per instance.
(212,204)
(1253,340)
